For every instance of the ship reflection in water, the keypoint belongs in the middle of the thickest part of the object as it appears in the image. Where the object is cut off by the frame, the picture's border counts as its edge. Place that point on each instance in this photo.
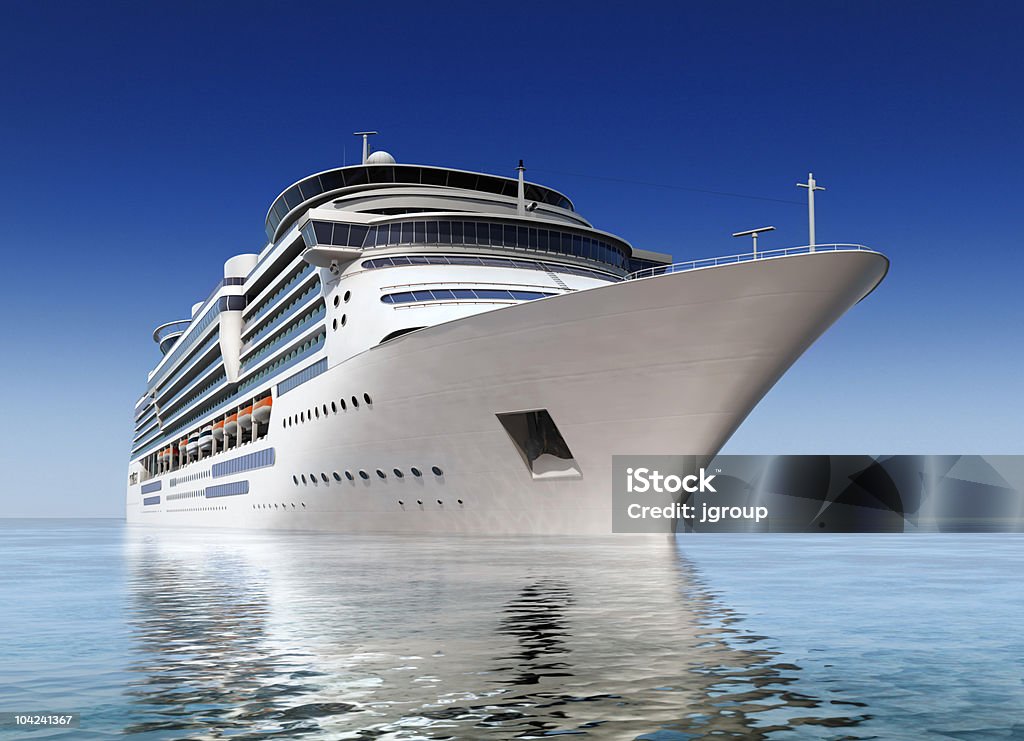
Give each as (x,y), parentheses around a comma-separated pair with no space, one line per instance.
(262,635)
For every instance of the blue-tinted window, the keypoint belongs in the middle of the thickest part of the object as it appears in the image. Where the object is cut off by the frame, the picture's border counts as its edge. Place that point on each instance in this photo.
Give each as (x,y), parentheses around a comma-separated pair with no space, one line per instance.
(419,232)
(431,232)
(406,233)
(444,232)
(464,293)
(443,294)
(323,231)
(457,232)
(356,235)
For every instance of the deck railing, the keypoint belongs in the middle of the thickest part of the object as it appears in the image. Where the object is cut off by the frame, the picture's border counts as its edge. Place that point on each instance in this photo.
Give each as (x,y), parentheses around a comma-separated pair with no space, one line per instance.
(712,262)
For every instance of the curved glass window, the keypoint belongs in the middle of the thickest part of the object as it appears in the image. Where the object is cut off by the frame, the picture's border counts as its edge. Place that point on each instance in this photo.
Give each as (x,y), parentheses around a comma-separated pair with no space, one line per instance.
(346,177)
(493,262)
(462,294)
(470,233)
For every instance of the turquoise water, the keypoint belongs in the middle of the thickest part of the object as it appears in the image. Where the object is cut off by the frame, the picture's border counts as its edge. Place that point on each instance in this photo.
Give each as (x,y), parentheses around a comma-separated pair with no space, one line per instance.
(165,634)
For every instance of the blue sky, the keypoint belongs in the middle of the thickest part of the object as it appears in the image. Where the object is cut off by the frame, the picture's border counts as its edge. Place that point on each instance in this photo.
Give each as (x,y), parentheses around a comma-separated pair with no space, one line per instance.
(144,142)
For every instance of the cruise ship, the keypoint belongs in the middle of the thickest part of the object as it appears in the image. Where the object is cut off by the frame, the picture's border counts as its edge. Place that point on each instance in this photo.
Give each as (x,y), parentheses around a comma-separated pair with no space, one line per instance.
(422,349)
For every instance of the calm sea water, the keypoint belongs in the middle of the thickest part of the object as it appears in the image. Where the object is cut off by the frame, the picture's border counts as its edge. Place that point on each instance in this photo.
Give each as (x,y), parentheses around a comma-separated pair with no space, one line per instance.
(165,634)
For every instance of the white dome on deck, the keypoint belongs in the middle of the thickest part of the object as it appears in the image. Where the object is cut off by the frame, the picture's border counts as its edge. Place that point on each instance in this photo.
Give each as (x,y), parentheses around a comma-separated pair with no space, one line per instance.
(380,157)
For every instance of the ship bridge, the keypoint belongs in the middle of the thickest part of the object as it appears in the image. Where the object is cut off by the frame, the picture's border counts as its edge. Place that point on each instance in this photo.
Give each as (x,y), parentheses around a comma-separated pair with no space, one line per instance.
(322,187)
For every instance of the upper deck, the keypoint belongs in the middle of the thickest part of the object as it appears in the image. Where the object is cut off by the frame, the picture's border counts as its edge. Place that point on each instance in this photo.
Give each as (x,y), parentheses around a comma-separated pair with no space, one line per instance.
(321,187)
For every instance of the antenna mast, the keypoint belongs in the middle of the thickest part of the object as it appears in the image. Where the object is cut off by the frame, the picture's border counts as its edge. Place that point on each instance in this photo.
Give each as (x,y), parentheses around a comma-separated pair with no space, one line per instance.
(366,142)
(811,185)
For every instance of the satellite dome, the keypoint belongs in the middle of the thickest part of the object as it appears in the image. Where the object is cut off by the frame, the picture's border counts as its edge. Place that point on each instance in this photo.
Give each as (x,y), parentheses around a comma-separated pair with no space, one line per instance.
(380,157)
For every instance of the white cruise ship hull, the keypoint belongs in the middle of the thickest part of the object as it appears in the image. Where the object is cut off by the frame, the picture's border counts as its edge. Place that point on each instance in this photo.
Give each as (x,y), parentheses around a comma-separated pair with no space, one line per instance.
(664,365)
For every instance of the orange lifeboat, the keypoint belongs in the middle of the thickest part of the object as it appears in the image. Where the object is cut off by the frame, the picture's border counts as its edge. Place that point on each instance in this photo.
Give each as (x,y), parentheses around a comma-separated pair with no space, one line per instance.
(261,410)
(218,430)
(231,424)
(245,417)
(165,453)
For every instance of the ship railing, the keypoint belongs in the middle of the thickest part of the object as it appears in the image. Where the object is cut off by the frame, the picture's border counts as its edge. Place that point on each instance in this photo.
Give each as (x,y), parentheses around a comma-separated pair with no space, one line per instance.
(170,328)
(711,262)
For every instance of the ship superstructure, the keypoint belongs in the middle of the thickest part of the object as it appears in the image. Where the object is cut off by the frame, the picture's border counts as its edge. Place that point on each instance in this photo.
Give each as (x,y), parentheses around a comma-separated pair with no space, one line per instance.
(420,348)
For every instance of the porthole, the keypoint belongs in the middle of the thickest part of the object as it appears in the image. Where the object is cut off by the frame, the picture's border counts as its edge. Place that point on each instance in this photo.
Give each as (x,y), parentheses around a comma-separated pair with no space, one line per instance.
(343,407)
(302,416)
(398,473)
(363,475)
(440,502)
(334,324)
(381,474)
(312,478)
(459,501)
(334,407)
(317,412)
(415,471)
(401,503)
(437,471)
(337,476)
(324,477)
(303,478)
(349,476)
(419,502)
(348,295)
(355,403)
(325,410)
(337,300)
(296,480)
(344,319)
(367,399)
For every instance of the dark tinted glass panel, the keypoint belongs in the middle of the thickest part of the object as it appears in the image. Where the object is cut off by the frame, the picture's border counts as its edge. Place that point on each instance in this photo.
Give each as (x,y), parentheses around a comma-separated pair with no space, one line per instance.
(442,294)
(509,188)
(383,231)
(522,237)
(431,232)
(310,188)
(463,260)
(280,210)
(401,260)
(356,235)
(532,239)
(464,293)
(417,260)
(332,180)
(388,299)
(419,232)
(444,232)
(457,233)
(293,197)
(381,174)
(470,235)
(510,235)
(532,193)
(323,231)
(489,184)
(422,295)
(433,177)
(406,233)
(588,247)
(462,180)
(497,235)
(340,234)
(407,174)
(577,245)
(355,176)
(542,239)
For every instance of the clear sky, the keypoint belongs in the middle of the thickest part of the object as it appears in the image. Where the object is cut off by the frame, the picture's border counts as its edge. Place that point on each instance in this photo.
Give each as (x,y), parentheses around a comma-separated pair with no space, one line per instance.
(143,143)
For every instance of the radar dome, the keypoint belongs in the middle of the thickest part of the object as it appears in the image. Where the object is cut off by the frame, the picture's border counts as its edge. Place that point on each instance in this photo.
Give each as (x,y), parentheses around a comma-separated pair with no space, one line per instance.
(380,157)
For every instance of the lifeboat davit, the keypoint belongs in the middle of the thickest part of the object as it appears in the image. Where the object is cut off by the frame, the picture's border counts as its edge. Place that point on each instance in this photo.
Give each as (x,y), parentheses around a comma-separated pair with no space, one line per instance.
(218,430)
(261,410)
(193,443)
(206,438)
(245,417)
